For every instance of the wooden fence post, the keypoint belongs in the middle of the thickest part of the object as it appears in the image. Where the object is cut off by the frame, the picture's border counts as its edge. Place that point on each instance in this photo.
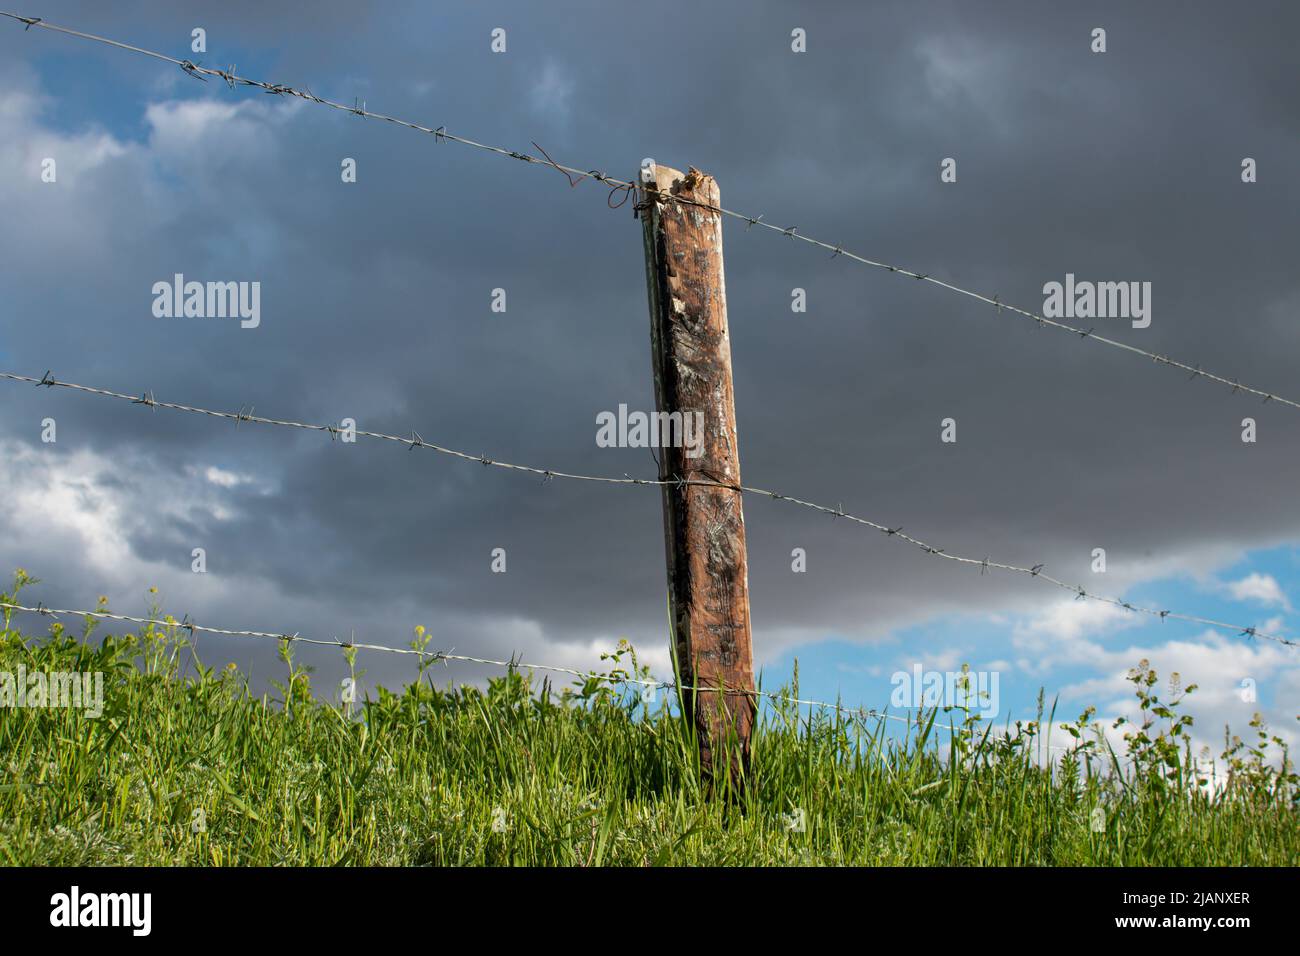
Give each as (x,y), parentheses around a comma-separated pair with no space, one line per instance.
(704,527)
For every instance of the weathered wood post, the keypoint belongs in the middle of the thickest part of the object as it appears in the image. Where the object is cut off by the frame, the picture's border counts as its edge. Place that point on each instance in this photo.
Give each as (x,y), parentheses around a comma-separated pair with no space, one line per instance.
(704,527)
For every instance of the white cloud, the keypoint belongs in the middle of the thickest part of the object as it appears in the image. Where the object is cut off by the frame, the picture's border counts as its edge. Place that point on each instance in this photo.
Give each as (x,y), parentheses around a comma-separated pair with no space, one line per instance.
(961,72)
(1061,634)
(204,146)
(943,659)
(80,159)
(87,507)
(552,91)
(179,126)
(1217,665)
(225,479)
(1262,588)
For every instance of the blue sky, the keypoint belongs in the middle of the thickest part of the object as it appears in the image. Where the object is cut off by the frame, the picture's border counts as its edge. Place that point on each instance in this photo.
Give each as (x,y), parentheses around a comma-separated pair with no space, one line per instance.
(1254,591)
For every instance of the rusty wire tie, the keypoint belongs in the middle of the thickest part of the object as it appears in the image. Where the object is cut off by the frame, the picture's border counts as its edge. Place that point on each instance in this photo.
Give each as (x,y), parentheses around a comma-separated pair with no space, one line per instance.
(563,172)
(628,189)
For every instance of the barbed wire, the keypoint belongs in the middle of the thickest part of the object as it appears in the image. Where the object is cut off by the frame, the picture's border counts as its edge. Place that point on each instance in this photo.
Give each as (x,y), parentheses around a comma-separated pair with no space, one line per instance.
(986,564)
(444,656)
(515,664)
(630,188)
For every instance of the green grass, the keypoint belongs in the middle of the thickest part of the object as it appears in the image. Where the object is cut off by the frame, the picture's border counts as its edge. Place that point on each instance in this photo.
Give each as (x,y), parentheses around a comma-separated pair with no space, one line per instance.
(521,775)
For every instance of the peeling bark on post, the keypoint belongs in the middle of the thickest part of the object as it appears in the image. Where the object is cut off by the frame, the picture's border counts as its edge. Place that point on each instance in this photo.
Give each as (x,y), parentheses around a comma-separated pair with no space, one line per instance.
(704,527)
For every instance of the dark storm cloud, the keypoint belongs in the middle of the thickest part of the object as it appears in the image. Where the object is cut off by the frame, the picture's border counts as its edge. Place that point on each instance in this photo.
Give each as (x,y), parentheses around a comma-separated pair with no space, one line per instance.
(1119,166)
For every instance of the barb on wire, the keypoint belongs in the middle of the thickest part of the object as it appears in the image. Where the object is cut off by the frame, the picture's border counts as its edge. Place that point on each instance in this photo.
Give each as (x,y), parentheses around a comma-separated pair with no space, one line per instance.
(440,134)
(680,482)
